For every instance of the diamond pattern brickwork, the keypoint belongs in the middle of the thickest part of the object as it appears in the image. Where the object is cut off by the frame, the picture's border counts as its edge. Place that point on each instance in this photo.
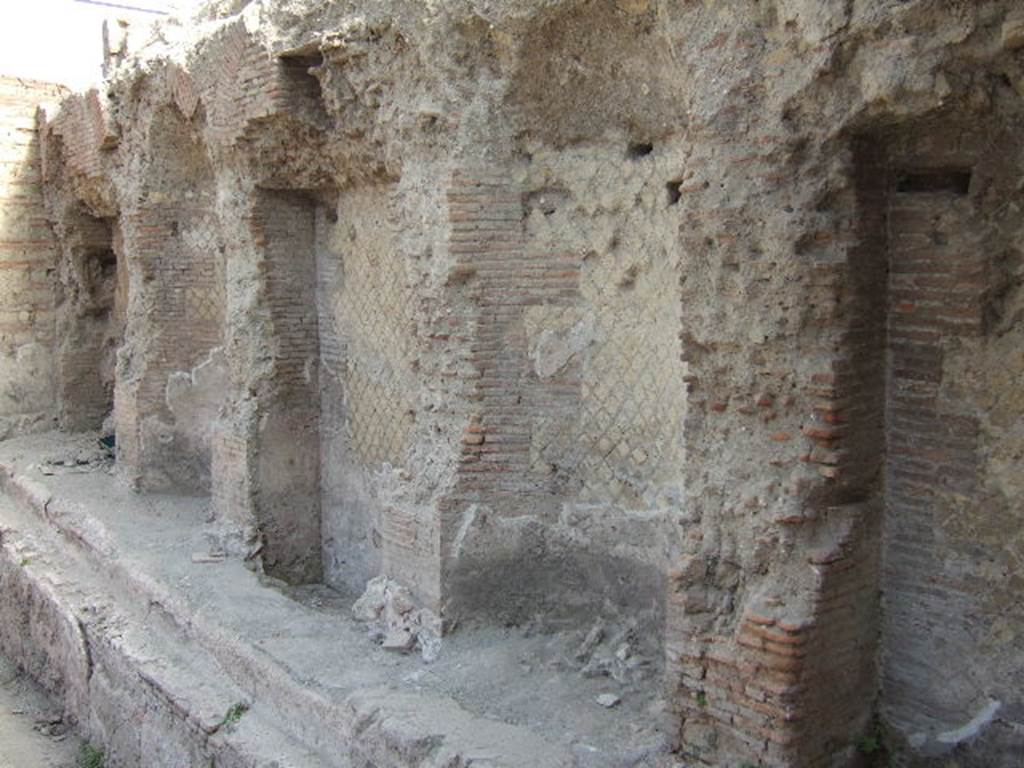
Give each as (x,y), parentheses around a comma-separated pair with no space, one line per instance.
(624,443)
(376,319)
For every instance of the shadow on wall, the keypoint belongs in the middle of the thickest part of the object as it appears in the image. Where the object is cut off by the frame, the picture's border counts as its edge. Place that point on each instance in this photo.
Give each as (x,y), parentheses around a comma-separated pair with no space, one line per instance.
(955,305)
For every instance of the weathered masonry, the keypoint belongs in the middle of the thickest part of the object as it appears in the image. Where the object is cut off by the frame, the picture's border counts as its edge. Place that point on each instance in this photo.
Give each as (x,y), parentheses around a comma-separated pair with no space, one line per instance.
(28,258)
(662,354)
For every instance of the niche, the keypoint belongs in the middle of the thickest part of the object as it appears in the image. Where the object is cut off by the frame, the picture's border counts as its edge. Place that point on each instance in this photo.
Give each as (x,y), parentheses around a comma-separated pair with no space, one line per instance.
(90,319)
(301,85)
(956,181)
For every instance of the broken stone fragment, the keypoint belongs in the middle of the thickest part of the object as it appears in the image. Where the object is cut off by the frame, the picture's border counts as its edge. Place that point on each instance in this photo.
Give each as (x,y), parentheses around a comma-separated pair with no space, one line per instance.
(400,601)
(371,604)
(208,557)
(430,645)
(590,642)
(598,666)
(400,639)
(608,700)
(395,622)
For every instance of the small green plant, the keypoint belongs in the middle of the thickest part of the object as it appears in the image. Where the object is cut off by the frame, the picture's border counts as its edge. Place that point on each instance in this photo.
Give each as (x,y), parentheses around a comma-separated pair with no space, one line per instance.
(25,561)
(90,757)
(702,699)
(868,745)
(234,714)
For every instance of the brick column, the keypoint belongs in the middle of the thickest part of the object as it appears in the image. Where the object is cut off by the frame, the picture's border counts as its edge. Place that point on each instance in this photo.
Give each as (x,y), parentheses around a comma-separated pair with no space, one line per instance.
(506,399)
(775,664)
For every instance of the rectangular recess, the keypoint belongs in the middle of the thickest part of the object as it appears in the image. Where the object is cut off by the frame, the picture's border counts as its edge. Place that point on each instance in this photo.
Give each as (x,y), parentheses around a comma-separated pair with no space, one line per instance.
(956,181)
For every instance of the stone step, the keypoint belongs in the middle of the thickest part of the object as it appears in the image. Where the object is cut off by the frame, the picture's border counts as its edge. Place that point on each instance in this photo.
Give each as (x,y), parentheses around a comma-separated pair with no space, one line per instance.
(374,725)
(129,679)
(310,669)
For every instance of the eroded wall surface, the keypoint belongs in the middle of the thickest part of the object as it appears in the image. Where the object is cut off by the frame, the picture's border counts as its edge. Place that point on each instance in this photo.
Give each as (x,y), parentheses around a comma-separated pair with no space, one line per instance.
(28,260)
(700,320)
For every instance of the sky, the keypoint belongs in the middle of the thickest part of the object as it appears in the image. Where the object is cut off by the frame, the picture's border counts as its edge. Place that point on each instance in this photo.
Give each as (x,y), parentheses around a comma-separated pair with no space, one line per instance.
(61,41)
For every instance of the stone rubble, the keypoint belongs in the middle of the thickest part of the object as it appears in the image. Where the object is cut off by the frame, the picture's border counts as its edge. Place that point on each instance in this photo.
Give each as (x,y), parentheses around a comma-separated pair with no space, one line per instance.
(395,622)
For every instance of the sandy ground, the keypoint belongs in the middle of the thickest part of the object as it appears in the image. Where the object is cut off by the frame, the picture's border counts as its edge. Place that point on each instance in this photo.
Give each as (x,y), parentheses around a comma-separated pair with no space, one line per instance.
(32,734)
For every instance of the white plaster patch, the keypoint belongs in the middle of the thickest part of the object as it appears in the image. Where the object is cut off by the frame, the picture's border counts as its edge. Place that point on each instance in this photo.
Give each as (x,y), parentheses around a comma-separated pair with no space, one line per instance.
(972,728)
(195,397)
(555,348)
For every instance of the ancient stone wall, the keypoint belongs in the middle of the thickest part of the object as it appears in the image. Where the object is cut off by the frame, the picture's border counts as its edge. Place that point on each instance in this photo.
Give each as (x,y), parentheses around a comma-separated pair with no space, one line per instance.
(701,321)
(28,263)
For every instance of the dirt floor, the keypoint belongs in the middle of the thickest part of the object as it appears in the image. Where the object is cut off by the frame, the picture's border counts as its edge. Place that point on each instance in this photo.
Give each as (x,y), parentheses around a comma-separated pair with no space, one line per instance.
(32,732)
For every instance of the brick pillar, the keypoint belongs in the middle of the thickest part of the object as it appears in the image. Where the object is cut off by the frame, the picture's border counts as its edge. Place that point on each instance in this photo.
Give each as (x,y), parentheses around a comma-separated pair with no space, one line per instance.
(503,279)
(772,662)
